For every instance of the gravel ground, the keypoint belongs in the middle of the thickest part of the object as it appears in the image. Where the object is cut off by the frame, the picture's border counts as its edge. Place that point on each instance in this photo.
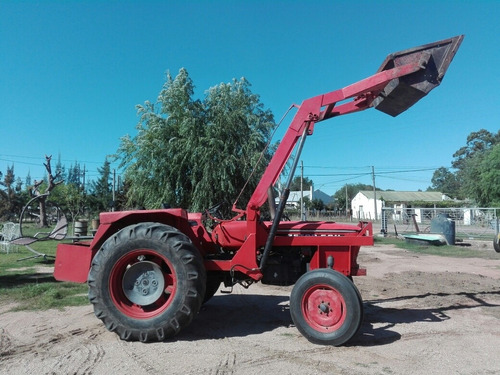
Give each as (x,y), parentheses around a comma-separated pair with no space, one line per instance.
(423,315)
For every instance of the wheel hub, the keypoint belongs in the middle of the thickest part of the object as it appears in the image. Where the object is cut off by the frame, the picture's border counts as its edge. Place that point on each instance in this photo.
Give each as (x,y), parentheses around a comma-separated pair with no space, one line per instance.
(143,283)
(324,309)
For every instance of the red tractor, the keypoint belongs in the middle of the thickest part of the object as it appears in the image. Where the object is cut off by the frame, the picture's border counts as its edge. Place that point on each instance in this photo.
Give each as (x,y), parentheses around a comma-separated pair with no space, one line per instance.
(150,271)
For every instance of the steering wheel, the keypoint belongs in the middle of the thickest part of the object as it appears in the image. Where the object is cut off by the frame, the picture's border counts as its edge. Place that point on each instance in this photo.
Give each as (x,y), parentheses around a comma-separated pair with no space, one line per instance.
(214,211)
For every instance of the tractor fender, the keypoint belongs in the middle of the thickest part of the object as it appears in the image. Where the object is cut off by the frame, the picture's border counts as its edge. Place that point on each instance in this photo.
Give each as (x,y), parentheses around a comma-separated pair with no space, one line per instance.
(112,222)
(73,260)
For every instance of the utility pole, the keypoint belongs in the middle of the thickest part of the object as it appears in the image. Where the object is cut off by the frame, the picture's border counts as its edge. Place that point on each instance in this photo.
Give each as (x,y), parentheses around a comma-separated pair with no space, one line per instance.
(83,177)
(301,190)
(114,189)
(374,192)
(346,202)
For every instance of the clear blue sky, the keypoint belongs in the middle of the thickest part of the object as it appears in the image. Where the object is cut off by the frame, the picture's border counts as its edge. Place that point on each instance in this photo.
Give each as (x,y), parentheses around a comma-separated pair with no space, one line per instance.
(73,71)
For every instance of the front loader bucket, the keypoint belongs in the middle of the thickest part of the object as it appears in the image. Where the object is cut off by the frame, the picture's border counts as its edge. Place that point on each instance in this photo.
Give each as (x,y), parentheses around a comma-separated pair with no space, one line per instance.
(401,93)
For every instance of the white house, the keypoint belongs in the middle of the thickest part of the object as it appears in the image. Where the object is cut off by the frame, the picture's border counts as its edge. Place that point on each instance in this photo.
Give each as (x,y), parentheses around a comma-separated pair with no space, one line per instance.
(293,200)
(363,206)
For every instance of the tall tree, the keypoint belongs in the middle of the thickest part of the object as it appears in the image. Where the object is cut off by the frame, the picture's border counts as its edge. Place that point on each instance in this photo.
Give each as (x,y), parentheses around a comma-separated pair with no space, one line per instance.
(74,175)
(317,204)
(489,178)
(60,168)
(445,181)
(237,129)
(27,183)
(475,166)
(157,159)
(306,183)
(191,153)
(477,142)
(7,195)
(101,190)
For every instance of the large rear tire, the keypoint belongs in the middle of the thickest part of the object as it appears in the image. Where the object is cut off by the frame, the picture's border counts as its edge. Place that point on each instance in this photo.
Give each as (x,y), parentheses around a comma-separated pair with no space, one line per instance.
(326,307)
(147,282)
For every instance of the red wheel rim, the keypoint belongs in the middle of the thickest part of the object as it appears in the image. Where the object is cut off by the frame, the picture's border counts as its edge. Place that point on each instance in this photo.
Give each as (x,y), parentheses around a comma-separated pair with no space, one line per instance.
(324,308)
(135,310)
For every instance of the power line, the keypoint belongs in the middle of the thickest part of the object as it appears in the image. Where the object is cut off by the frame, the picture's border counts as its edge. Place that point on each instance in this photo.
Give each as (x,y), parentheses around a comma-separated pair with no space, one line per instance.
(40,158)
(367,173)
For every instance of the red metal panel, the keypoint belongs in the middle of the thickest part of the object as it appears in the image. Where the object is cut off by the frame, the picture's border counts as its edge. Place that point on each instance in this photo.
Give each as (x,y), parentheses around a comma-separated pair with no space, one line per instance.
(72,262)
(232,234)
(341,258)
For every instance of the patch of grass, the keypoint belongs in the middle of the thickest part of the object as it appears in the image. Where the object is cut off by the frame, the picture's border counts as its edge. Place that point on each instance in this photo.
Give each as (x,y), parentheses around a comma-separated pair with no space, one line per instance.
(46,295)
(13,258)
(29,286)
(445,250)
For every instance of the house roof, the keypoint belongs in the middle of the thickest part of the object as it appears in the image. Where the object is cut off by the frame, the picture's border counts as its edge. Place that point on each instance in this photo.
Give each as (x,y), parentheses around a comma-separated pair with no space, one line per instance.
(295,195)
(317,194)
(405,196)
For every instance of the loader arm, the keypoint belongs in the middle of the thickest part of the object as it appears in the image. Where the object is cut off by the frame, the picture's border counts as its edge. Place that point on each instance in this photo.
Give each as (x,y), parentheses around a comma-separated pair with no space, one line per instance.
(404,78)
(321,108)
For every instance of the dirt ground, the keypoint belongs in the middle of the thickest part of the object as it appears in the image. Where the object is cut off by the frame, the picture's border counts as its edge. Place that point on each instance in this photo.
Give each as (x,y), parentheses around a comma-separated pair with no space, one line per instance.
(423,315)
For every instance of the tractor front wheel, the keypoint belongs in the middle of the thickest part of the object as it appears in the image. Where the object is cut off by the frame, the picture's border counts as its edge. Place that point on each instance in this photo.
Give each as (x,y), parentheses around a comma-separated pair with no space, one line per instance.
(496,243)
(326,307)
(213,284)
(147,282)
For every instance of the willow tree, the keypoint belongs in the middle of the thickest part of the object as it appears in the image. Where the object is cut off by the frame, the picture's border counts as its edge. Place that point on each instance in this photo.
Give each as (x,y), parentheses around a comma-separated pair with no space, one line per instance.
(236,131)
(194,153)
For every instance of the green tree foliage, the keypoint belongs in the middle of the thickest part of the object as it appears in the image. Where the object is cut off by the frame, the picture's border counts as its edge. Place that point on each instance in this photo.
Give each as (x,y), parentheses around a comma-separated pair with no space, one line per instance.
(237,129)
(27,182)
(306,183)
(476,175)
(11,195)
(157,159)
(477,143)
(7,194)
(476,164)
(70,198)
(192,153)
(489,177)
(60,169)
(101,193)
(445,181)
(74,175)
(317,204)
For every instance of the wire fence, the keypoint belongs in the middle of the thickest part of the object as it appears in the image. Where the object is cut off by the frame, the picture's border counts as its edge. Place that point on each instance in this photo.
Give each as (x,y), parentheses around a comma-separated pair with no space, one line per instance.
(469,223)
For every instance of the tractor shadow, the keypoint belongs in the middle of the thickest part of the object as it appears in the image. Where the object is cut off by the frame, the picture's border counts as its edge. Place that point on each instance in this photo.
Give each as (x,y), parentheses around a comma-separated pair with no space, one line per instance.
(380,323)
(240,315)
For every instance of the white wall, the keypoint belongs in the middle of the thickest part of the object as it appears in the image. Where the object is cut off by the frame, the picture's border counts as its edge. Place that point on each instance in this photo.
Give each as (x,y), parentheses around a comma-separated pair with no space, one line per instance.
(363,208)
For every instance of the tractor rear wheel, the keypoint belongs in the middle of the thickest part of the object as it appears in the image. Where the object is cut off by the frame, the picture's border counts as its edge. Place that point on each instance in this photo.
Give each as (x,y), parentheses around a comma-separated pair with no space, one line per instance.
(326,307)
(147,282)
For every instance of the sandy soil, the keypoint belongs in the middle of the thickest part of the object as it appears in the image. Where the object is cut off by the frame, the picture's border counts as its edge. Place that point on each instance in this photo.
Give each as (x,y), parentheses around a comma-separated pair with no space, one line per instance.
(423,315)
